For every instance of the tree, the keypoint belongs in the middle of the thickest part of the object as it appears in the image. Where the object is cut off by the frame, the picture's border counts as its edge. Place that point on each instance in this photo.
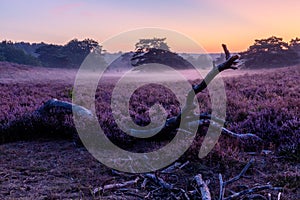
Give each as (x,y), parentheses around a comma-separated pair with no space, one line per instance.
(295,44)
(144,45)
(270,52)
(76,51)
(271,44)
(156,50)
(29,48)
(70,55)
(9,53)
(51,56)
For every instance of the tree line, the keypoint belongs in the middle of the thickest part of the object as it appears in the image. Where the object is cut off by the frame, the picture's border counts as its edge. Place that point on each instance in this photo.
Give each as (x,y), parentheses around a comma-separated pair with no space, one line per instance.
(264,53)
(70,55)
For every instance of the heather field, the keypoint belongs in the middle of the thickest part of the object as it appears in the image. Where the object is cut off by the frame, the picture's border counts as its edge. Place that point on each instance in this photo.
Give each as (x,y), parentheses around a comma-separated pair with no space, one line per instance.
(42,158)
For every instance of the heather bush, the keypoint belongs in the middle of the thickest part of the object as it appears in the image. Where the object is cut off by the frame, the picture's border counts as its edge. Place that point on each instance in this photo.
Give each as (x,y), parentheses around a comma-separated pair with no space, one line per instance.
(266,104)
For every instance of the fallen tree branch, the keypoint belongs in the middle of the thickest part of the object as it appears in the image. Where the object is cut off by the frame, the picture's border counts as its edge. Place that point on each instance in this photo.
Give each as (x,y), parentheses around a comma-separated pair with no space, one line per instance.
(251,190)
(174,167)
(223,184)
(159,181)
(116,186)
(240,174)
(66,106)
(203,188)
(244,137)
(189,105)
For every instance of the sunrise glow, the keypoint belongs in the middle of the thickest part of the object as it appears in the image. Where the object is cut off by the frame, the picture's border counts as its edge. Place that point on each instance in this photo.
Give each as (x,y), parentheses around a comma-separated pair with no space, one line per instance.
(209,23)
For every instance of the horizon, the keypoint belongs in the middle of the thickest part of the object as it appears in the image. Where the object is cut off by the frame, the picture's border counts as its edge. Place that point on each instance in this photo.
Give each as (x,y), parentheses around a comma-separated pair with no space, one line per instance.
(129,48)
(208,23)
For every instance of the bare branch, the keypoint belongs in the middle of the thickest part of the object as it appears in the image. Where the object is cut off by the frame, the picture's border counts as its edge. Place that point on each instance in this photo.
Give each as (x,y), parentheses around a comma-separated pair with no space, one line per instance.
(226,51)
(223,184)
(222,187)
(205,193)
(116,185)
(241,173)
(159,181)
(243,137)
(68,107)
(249,191)
(189,105)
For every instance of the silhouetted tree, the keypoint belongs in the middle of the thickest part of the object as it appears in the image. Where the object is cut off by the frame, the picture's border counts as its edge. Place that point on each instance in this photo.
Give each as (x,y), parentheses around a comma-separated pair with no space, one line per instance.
(144,45)
(29,48)
(70,55)
(51,56)
(9,53)
(156,50)
(270,52)
(295,44)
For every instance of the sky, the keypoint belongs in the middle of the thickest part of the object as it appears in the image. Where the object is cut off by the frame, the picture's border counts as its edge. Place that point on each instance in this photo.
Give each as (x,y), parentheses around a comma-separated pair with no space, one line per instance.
(209,23)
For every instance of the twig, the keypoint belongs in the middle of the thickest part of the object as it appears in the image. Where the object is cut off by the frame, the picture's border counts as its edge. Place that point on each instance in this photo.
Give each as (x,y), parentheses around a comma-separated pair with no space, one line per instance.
(244,137)
(222,187)
(171,168)
(251,190)
(175,166)
(279,196)
(186,196)
(151,192)
(241,174)
(116,185)
(224,183)
(143,186)
(184,164)
(205,193)
(257,196)
(159,181)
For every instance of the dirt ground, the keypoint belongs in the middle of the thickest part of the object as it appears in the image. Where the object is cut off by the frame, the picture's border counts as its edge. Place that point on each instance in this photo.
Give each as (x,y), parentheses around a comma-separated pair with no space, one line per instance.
(60,170)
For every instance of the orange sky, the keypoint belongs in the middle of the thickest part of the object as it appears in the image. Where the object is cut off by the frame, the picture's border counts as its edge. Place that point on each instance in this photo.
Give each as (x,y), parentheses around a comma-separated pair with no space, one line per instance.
(209,23)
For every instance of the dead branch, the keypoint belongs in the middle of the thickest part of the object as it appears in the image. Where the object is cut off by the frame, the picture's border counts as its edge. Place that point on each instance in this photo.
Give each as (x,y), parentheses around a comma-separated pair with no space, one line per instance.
(143,186)
(251,190)
(66,106)
(241,173)
(159,181)
(223,184)
(174,167)
(116,186)
(243,137)
(203,188)
(171,168)
(189,105)
(186,196)
(256,196)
